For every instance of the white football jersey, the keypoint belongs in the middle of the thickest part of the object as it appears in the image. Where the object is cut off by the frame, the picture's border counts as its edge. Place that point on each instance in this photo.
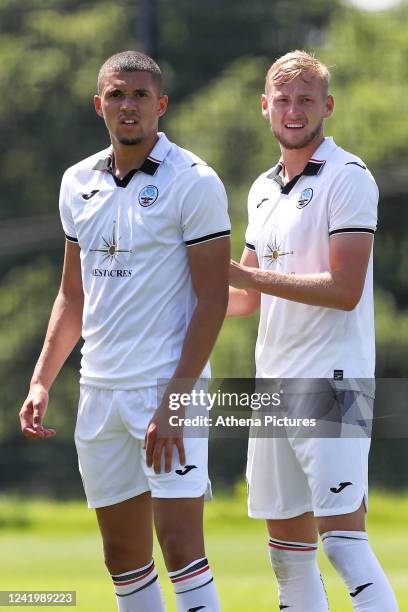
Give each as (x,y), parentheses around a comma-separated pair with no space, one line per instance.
(134,234)
(289,228)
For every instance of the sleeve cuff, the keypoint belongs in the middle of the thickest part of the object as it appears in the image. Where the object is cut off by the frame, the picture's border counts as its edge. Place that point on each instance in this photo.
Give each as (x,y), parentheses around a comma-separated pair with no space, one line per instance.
(250,246)
(353,230)
(71,239)
(207,238)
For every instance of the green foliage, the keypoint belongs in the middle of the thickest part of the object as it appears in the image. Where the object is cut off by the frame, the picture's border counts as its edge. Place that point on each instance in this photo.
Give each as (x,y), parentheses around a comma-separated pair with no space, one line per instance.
(26,297)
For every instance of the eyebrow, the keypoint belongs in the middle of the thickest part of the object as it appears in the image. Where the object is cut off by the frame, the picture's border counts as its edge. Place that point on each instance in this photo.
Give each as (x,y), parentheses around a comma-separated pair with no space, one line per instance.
(119,88)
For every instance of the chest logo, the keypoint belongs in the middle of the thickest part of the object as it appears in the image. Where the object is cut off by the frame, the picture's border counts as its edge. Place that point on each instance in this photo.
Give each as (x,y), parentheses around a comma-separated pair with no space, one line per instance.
(305,197)
(110,248)
(273,255)
(88,196)
(148,195)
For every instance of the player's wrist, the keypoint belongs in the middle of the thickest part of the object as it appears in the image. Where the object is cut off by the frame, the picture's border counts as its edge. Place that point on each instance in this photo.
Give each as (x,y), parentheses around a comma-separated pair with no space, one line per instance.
(39,387)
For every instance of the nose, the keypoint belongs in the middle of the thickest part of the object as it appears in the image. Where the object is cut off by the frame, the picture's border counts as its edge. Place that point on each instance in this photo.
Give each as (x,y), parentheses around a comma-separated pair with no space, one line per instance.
(128,103)
(294,108)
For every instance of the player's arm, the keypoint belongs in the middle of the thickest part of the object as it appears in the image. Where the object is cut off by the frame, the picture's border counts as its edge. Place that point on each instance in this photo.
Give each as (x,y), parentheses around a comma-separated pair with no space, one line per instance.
(64,331)
(339,287)
(244,302)
(208,263)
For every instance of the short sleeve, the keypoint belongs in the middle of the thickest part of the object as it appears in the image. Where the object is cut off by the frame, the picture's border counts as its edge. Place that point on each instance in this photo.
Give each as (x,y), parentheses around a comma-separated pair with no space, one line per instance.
(250,231)
(353,201)
(204,214)
(65,211)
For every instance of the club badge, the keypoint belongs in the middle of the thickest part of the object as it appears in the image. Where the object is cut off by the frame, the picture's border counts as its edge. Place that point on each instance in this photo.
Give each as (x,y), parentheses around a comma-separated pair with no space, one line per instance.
(305,197)
(148,195)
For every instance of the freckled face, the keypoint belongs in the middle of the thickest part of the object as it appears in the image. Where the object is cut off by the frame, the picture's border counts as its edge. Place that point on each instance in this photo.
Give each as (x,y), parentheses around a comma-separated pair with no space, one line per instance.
(130,104)
(296,111)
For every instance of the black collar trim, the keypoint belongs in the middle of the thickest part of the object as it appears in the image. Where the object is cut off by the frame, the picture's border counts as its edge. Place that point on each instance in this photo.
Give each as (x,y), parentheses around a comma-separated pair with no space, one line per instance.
(149,166)
(312,168)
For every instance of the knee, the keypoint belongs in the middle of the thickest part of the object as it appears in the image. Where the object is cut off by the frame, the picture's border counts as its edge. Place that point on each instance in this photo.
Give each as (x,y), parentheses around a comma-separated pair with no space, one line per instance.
(180,548)
(118,554)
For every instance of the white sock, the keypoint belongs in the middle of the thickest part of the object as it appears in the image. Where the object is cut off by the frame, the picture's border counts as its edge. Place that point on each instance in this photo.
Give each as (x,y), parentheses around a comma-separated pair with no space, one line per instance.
(139,590)
(300,584)
(351,555)
(194,588)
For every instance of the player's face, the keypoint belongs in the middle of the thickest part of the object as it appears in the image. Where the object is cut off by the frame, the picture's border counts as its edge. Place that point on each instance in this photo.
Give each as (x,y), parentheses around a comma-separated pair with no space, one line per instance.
(131,104)
(296,110)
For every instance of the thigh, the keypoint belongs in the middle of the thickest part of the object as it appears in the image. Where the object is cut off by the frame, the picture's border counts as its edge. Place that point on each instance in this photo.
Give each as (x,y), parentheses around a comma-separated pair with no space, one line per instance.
(277,486)
(127,533)
(179,528)
(301,528)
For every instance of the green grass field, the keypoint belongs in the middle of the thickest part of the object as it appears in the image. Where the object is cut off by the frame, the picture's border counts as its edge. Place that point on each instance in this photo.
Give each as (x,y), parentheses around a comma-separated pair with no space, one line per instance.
(49,545)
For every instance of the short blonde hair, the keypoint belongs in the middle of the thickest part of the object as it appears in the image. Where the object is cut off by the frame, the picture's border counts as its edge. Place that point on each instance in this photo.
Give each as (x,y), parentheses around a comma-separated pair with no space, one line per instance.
(294,63)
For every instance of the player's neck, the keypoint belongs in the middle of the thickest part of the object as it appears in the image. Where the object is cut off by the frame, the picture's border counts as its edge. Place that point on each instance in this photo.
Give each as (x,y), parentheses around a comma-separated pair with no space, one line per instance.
(131,157)
(295,160)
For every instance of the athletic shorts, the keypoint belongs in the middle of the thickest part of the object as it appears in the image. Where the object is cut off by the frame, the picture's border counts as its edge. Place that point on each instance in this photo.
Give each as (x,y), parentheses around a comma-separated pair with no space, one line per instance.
(109,438)
(290,475)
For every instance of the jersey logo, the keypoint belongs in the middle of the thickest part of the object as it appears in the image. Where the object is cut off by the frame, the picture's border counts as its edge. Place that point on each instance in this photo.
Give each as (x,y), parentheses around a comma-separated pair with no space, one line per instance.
(88,196)
(261,202)
(110,247)
(148,195)
(305,197)
(342,485)
(273,254)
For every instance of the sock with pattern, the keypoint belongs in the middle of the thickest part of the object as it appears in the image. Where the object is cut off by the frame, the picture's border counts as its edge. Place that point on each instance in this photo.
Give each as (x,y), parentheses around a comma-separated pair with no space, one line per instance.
(300,584)
(194,588)
(139,590)
(351,555)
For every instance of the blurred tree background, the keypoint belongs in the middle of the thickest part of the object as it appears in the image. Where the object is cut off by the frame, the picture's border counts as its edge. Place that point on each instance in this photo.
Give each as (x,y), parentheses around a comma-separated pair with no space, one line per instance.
(214,56)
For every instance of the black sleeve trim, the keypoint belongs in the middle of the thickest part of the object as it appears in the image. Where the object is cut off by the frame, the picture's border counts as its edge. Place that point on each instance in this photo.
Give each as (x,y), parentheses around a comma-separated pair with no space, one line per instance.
(250,246)
(355,230)
(208,237)
(71,239)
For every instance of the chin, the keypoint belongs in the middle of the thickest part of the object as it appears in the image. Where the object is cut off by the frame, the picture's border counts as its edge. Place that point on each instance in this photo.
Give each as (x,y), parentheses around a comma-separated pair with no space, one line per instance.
(130,141)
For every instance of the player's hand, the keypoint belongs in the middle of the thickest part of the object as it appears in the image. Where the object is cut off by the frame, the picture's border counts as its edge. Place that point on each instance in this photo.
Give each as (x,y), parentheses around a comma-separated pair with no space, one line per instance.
(161,438)
(238,275)
(32,414)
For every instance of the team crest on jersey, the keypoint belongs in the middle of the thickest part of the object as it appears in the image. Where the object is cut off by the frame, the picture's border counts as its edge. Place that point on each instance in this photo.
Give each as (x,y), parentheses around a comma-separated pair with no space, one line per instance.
(148,195)
(305,197)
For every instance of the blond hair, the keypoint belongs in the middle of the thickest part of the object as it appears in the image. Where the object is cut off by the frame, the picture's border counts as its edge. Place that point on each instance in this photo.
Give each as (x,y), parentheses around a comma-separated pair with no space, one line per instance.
(293,64)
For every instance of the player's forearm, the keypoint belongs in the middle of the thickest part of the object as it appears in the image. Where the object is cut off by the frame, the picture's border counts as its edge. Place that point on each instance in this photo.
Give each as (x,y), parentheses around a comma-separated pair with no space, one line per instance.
(63,333)
(201,335)
(325,289)
(242,303)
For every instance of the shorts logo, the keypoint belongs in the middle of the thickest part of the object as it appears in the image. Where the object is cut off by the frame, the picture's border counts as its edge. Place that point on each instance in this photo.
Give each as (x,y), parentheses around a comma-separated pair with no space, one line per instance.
(305,197)
(148,195)
(186,470)
(342,485)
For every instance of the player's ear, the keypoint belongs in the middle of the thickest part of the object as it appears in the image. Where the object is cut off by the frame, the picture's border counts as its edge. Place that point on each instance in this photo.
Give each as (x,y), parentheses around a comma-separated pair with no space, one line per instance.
(264,107)
(329,107)
(162,107)
(98,105)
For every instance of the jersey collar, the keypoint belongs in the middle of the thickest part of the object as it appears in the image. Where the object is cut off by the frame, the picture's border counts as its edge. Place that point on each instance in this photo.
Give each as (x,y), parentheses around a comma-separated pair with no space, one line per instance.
(313,167)
(150,164)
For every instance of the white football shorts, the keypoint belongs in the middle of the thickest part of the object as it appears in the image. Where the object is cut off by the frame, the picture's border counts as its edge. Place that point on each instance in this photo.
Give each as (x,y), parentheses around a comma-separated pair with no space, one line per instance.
(288,476)
(109,438)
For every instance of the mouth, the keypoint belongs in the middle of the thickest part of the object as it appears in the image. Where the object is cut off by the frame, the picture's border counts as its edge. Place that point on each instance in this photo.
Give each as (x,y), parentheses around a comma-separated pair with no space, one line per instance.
(129,122)
(294,125)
